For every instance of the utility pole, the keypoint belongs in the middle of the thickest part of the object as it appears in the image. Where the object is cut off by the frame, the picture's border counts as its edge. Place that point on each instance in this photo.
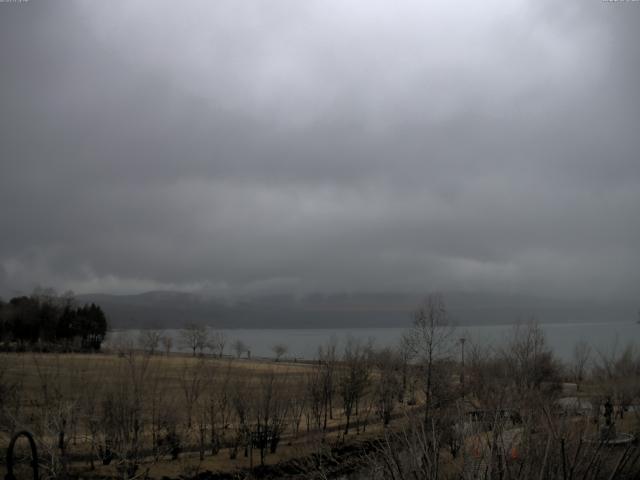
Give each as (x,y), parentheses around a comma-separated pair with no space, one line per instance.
(462,340)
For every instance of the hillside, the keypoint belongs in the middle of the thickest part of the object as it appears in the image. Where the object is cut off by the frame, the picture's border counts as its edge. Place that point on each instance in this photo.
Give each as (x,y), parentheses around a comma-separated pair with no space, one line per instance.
(173,309)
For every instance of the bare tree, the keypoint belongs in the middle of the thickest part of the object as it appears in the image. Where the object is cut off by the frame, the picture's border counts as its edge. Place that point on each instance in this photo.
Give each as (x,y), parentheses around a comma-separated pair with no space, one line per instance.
(353,379)
(159,405)
(194,337)
(279,350)
(315,397)
(242,410)
(192,381)
(167,344)
(387,384)
(581,356)
(529,357)
(270,411)
(404,354)
(149,340)
(122,343)
(218,404)
(298,405)
(430,341)
(217,342)
(53,414)
(327,359)
(123,419)
(89,404)
(619,373)
(239,347)
(281,386)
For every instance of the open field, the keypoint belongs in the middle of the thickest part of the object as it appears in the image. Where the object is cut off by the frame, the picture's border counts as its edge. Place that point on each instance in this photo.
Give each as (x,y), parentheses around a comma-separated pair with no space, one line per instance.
(210,403)
(129,414)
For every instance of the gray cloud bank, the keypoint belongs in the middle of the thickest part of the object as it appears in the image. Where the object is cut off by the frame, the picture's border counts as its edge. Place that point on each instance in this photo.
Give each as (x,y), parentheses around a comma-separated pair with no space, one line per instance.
(233,147)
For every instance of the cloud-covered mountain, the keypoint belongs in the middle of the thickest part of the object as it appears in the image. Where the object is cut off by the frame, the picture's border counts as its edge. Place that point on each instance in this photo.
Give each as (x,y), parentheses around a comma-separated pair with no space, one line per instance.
(174,309)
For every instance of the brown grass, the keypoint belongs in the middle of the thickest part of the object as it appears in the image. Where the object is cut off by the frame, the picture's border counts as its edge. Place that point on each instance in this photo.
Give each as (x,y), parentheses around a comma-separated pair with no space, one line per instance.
(74,376)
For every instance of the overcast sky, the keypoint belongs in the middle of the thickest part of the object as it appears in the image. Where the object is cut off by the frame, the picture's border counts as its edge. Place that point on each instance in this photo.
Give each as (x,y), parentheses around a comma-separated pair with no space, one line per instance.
(233,147)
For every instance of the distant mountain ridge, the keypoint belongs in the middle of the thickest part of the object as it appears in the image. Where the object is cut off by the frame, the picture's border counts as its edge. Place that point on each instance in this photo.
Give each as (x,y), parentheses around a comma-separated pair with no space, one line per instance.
(167,309)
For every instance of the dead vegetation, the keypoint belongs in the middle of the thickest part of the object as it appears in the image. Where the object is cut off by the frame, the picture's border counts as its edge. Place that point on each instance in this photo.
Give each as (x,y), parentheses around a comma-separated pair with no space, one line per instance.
(411,412)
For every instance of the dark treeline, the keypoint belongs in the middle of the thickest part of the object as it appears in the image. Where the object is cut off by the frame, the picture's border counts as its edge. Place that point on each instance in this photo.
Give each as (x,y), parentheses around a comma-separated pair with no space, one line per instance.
(46,321)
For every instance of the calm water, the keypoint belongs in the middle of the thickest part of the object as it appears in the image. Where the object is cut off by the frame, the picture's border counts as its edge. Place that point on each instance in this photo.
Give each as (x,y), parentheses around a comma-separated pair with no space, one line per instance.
(303,343)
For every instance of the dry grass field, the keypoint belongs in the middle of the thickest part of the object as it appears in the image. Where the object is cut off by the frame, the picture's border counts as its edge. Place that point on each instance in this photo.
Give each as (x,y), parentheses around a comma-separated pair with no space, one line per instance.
(191,397)
(69,373)
(131,415)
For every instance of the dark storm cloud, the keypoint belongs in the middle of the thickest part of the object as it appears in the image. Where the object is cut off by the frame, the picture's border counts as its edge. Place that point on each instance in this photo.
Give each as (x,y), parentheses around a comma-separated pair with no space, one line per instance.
(232,147)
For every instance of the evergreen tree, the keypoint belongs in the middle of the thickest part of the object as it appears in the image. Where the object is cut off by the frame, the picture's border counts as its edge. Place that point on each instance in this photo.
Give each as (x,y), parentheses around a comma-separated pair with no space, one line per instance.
(45,318)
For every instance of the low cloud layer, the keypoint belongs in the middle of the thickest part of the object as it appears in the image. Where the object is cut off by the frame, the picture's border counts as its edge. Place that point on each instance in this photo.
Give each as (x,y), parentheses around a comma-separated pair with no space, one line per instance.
(236,147)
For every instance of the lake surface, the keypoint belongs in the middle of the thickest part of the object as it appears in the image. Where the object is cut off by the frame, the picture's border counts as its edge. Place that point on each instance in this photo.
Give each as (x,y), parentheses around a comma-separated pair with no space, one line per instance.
(304,343)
